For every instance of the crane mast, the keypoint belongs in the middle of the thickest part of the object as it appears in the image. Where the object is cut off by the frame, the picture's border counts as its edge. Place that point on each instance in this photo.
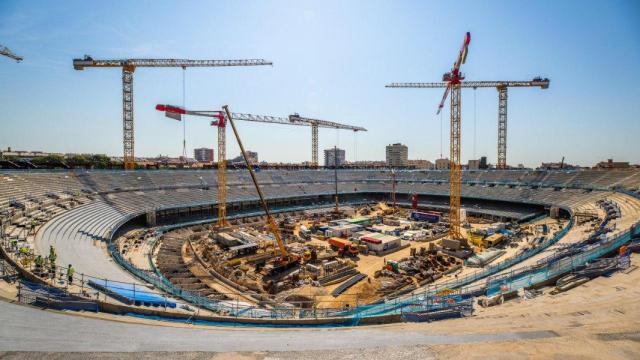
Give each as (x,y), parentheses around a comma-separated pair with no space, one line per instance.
(175,112)
(452,83)
(128,67)
(315,124)
(502,87)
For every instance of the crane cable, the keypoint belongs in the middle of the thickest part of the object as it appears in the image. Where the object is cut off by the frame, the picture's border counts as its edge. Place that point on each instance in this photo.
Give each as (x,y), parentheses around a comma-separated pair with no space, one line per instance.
(440,134)
(184,123)
(355,147)
(475,115)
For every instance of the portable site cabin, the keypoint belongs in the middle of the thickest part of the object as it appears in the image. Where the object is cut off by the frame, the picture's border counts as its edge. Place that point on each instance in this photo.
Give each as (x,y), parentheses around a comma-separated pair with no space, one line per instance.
(492,240)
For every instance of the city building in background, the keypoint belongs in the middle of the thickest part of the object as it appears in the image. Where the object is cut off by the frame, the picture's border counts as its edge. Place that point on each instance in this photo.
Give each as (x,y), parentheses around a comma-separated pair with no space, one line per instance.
(251,155)
(610,164)
(442,164)
(420,164)
(203,154)
(334,157)
(473,164)
(397,155)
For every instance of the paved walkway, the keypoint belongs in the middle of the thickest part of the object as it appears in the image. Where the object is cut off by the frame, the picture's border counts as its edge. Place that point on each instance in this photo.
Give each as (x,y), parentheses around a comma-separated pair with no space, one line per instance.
(29,329)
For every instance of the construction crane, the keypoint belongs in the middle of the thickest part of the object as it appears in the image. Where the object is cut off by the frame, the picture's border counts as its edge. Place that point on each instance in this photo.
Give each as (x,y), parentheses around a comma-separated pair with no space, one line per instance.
(286,258)
(128,67)
(222,117)
(294,119)
(502,87)
(452,81)
(8,53)
(315,124)
(176,113)
(393,189)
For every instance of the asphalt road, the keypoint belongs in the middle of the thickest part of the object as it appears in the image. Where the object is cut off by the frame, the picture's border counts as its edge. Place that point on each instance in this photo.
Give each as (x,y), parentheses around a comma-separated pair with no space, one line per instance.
(29,329)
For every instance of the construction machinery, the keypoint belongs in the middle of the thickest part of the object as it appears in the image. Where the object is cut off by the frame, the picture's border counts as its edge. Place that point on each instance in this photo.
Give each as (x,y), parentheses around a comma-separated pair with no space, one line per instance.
(286,260)
(315,124)
(222,117)
(8,53)
(176,113)
(393,189)
(452,81)
(295,119)
(128,67)
(502,87)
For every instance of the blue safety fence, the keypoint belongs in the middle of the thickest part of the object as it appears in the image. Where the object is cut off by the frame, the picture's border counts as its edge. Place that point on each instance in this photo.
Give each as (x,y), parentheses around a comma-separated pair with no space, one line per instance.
(537,274)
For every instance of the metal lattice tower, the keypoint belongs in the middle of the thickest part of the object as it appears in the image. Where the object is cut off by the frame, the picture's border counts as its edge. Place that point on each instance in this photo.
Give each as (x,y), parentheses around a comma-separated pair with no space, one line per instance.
(454,164)
(314,145)
(128,67)
(502,127)
(451,83)
(128,159)
(222,175)
(502,87)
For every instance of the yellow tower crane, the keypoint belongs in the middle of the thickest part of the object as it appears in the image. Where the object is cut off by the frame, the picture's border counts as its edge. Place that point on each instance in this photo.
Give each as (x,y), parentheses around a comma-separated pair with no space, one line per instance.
(501,86)
(176,112)
(452,82)
(128,67)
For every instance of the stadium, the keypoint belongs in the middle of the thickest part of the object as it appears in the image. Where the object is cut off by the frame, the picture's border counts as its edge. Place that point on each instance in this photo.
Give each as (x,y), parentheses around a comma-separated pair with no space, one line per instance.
(391,248)
(82,214)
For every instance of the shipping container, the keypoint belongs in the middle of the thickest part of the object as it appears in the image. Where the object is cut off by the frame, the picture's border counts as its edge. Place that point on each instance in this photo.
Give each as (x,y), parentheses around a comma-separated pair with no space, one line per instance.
(425,216)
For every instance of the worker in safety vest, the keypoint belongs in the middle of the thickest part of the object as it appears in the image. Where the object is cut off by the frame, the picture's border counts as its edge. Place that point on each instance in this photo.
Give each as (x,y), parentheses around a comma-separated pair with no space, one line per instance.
(24,251)
(52,262)
(52,255)
(70,272)
(39,262)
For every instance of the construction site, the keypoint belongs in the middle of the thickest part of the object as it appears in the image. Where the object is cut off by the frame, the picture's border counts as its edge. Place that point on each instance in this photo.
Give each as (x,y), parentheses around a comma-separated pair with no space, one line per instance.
(237,252)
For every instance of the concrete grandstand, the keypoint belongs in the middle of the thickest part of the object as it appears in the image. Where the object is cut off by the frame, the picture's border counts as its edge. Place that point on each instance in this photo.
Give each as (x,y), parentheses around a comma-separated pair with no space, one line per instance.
(81,213)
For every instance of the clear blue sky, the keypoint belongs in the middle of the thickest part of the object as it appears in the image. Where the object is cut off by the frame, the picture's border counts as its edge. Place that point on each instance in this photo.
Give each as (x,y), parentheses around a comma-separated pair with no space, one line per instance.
(331,61)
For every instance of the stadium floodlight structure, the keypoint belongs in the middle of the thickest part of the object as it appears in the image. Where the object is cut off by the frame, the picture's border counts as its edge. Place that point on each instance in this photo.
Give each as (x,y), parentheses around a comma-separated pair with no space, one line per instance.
(501,86)
(8,53)
(128,67)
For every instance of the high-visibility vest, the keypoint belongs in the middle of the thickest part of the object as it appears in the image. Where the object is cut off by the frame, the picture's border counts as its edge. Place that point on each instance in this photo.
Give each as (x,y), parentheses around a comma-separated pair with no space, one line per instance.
(71,271)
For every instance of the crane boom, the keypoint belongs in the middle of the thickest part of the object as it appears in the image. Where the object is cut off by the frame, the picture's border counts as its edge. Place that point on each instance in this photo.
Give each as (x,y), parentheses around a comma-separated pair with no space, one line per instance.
(501,86)
(272,223)
(128,68)
(80,64)
(294,119)
(8,53)
(542,83)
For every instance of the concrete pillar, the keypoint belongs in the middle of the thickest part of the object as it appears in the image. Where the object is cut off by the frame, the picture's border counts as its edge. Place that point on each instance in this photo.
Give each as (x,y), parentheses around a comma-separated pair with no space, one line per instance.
(151,218)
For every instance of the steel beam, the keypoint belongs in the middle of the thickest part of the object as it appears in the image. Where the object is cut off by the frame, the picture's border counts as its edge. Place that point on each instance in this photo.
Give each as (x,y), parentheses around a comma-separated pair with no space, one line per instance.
(454,164)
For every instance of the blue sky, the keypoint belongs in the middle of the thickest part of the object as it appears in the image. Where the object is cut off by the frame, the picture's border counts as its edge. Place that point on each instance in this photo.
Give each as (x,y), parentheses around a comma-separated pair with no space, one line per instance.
(331,61)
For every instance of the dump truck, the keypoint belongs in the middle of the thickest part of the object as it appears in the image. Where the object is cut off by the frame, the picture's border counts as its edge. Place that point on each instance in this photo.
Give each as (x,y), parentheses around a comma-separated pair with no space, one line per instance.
(343,246)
